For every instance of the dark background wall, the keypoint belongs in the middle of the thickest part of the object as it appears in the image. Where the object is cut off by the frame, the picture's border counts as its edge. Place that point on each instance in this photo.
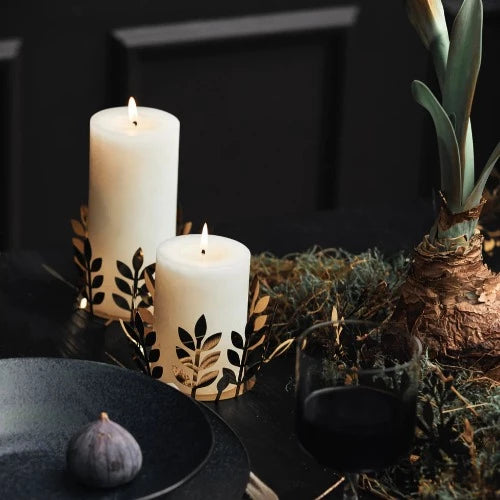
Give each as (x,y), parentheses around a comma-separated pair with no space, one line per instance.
(285,106)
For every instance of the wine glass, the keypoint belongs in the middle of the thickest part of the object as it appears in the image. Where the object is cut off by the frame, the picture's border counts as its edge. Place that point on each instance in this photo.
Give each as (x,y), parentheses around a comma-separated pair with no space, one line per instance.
(356,394)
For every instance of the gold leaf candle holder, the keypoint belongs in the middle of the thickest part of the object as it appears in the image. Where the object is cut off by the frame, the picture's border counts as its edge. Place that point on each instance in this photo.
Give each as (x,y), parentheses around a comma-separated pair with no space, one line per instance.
(199,360)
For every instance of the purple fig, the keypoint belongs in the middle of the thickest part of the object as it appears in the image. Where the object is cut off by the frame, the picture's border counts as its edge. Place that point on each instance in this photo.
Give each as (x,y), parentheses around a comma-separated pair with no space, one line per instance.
(103,454)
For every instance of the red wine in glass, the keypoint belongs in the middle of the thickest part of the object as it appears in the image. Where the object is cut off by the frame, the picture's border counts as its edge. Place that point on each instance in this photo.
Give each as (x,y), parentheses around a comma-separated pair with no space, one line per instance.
(351,416)
(355,428)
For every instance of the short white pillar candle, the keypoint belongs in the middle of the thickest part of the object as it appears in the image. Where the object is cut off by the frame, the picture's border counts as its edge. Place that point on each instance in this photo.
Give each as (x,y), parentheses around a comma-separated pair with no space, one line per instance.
(195,279)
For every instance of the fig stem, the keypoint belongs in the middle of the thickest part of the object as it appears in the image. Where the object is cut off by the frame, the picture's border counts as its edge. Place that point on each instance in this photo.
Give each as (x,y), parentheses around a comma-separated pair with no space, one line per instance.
(103,417)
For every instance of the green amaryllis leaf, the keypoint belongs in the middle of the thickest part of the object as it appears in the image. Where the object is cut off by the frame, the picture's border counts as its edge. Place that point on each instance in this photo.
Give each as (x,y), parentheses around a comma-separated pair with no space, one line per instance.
(476,194)
(464,60)
(428,19)
(468,171)
(451,181)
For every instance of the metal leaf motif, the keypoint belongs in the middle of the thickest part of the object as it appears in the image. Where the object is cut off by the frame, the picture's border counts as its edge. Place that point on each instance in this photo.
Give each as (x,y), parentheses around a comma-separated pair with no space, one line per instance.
(124,270)
(188,363)
(251,370)
(145,302)
(150,269)
(123,286)
(121,302)
(237,340)
(200,329)
(150,339)
(98,298)
(221,385)
(227,372)
(209,360)
(211,342)
(150,283)
(260,322)
(154,355)
(138,259)
(83,259)
(147,316)
(96,265)
(87,250)
(283,347)
(77,245)
(97,281)
(256,289)
(261,305)
(207,379)
(186,338)
(129,330)
(140,363)
(142,341)
(139,325)
(233,357)
(84,215)
(182,354)
(78,228)
(258,343)
(80,261)
(228,377)
(254,356)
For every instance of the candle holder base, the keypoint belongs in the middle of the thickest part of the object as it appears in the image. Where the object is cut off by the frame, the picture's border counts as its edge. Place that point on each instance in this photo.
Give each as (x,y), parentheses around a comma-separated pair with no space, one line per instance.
(229,394)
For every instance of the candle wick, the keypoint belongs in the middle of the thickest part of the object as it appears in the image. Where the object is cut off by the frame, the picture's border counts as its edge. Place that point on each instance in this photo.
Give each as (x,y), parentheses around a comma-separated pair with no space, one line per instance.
(203,252)
(135,123)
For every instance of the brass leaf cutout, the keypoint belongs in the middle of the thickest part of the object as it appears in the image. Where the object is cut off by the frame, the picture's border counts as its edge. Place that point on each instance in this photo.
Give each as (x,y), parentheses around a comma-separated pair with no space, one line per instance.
(258,343)
(255,295)
(261,305)
(282,348)
(148,279)
(207,379)
(260,323)
(211,342)
(147,316)
(78,244)
(77,262)
(78,228)
(210,360)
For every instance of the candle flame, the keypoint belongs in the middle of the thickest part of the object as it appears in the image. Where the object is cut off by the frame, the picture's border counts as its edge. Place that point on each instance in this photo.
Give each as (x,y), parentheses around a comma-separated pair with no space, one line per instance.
(204,239)
(83,303)
(132,111)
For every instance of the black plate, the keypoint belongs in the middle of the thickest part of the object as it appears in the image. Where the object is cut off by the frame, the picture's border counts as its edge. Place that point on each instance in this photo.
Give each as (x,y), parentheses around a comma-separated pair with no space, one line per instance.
(225,474)
(44,401)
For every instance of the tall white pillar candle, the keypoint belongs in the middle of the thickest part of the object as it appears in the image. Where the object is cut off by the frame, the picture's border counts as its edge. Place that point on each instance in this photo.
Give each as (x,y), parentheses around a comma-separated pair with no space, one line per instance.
(132,189)
(189,284)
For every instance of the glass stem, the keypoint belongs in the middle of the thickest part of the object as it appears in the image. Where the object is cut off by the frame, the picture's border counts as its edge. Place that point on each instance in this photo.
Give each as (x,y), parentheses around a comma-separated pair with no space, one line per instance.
(351,487)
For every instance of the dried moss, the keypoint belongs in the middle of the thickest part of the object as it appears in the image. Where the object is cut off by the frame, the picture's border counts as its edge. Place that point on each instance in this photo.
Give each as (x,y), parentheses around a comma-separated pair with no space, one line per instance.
(455,453)
(306,286)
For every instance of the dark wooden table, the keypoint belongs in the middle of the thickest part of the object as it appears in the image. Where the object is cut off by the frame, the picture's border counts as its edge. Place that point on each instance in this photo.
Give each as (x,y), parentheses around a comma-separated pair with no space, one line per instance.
(262,418)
